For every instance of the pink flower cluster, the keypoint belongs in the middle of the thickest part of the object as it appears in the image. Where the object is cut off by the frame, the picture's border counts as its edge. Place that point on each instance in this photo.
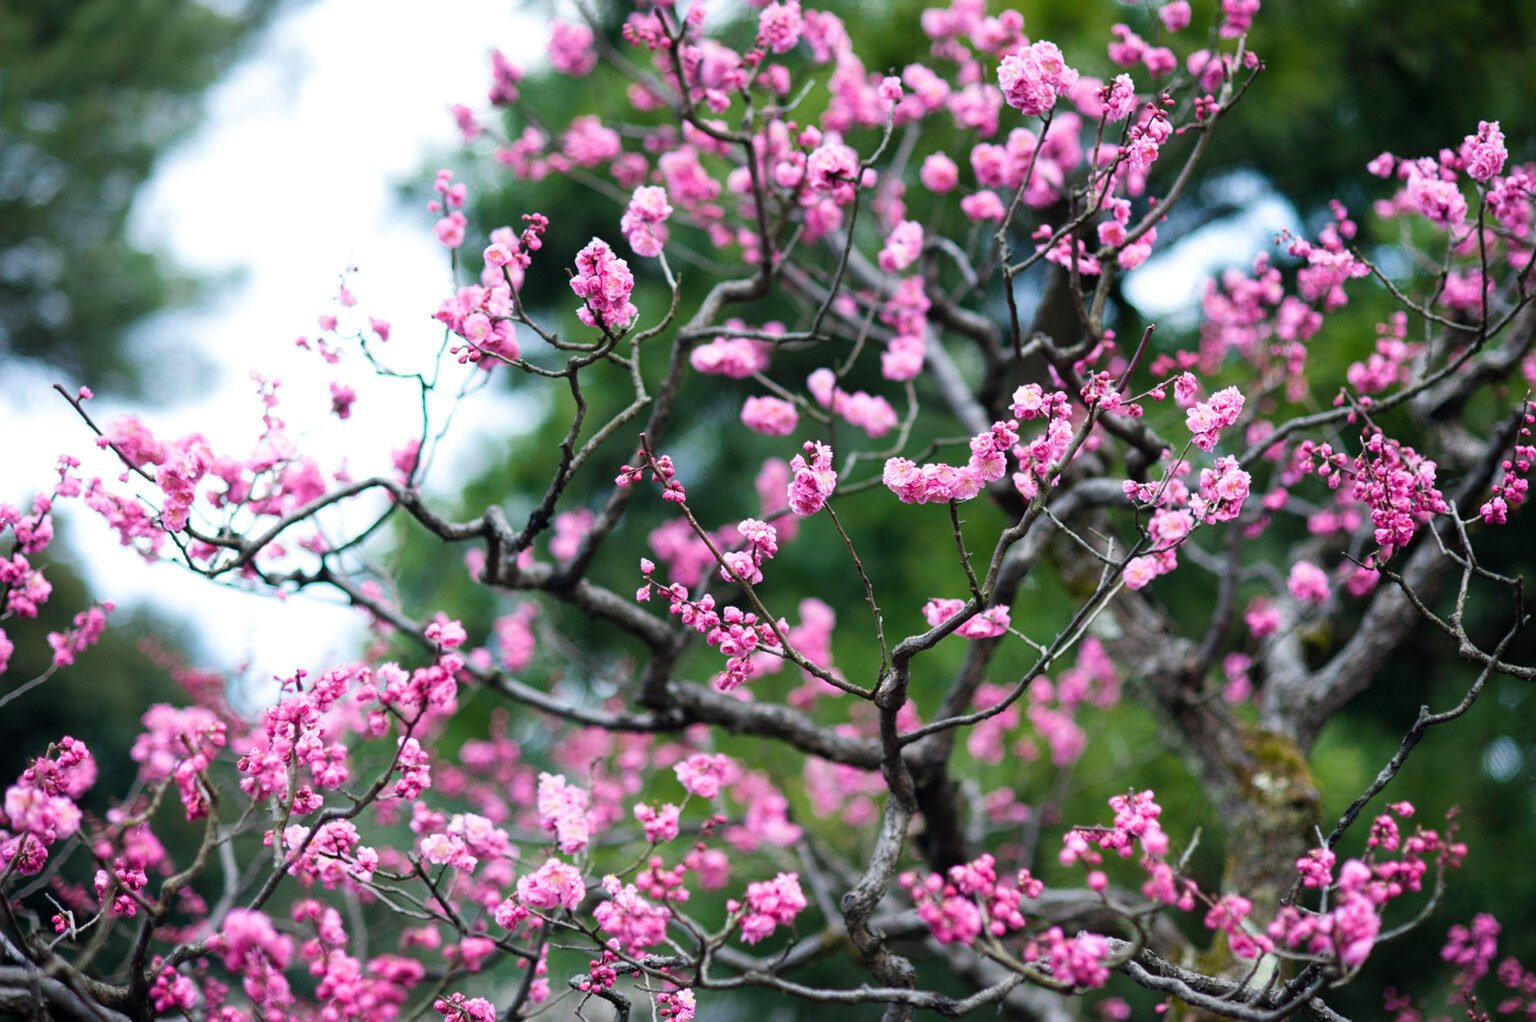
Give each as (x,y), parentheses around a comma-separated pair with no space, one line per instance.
(335,855)
(906,312)
(940,483)
(969,900)
(572,49)
(631,920)
(780,26)
(871,413)
(988,624)
(1471,948)
(604,283)
(1398,485)
(737,633)
(902,246)
(40,807)
(761,540)
(736,357)
(662,471)
(180,743)
(1307,583)
(1483,154)
(704,774)
(1207,419)
(770,904)
(1513,485)
(644,222)
(553,885)
(770,416)
(1347,931)
(251,947)
(563,813)
(450,228)
(1223,488)
(1034,77)
(833,168)
(813,481)
(292,735)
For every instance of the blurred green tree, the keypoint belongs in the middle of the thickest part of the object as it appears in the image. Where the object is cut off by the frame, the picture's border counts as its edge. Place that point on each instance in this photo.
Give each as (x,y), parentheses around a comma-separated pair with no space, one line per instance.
(92,94)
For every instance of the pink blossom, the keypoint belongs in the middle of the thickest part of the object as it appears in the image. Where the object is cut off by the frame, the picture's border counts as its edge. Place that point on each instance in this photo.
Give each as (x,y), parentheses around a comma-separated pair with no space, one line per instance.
(704,774)
(1237,17)
(634,922)
(465,1009)
(902,247)
(1077,961)
(1032,78)
(589,143)
(813,481)
(770,904)
(506,77)
(939,173)
(1307,582)
(1484,153)
(1472,948)
(342,399)
(659,824)
(444,631)
(736,357)
(604,282)
(983,206)
(833,168)
(780,25)
(1439,200)
(572,49)
(1141,570)
(514,637)
(1160,61)
(643,222)
(1207,419)
(988,624)
(1120,98)
(563,812)
(1175,15)
(555,885)
(1127,48)
(450,229)
(770,416)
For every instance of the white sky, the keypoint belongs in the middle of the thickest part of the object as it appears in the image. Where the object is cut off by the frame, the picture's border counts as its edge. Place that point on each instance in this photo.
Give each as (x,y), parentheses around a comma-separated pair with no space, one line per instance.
(291,179)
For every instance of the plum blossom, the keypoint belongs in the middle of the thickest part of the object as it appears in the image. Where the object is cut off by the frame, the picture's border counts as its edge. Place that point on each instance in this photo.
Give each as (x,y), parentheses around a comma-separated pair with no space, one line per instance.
(563,812)
(902,247)
(644,221)
(572,49)
(769,416)
(556,884)
(1034,77)
(604,281)
(813,481)
(1307,582)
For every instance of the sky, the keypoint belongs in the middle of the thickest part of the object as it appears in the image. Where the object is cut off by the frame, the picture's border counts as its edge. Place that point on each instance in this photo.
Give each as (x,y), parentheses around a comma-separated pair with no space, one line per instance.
(295,176)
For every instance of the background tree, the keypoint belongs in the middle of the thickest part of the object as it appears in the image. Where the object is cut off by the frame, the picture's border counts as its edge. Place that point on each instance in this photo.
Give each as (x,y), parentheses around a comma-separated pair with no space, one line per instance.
(1342,83)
